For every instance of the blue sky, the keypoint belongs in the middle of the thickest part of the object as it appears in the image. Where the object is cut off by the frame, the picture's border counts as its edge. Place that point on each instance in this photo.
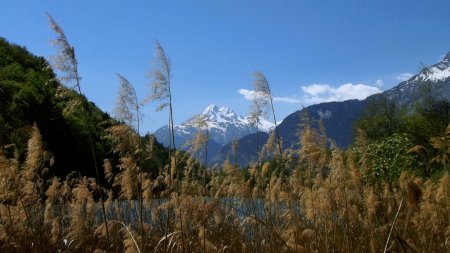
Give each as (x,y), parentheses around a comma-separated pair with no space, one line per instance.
(310,51)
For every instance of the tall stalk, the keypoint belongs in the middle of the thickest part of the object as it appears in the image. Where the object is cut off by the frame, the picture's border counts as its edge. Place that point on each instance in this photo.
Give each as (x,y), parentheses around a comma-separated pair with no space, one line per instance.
(256,112)
(128,110)
(234,147)
(262,90)
(161,91)
(66,63)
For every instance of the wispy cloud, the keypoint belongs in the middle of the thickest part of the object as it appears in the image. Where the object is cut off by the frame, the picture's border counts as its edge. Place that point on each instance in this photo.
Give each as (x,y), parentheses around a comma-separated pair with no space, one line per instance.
(319,93)
(287,100)
(379,83)
(403,76)
(249,95)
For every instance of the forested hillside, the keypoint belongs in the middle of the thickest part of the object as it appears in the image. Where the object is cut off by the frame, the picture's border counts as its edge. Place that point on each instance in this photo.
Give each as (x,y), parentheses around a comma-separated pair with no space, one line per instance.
(30,94)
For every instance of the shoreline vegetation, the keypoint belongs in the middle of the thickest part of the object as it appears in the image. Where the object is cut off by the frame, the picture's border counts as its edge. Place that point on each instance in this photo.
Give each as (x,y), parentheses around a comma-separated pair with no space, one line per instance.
(262,211)
(388,192)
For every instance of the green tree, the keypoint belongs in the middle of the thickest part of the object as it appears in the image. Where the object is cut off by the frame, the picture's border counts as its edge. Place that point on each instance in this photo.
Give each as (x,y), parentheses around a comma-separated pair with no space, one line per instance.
(389,157)
(381,118)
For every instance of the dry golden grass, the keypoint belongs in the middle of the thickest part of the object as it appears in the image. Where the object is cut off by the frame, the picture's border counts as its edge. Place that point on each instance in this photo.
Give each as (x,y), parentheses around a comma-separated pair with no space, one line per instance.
(320,205)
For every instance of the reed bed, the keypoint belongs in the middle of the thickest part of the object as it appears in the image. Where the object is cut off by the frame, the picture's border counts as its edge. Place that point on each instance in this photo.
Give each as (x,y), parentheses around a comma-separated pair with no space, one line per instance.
(317,203)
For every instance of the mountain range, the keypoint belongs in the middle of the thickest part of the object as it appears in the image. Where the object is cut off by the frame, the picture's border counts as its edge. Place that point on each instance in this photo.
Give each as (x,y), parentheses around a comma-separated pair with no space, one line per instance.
(337,117)
(224,125)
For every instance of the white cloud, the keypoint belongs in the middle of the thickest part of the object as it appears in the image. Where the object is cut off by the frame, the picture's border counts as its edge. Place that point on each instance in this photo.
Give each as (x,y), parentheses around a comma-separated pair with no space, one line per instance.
(318,93)
(403,76)
(287,100)
(315,89)
(250,94)
(379,83)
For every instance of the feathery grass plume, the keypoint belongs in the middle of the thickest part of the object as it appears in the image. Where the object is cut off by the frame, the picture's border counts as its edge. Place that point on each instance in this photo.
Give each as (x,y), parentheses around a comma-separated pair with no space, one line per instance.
(323,146)
(442,145)
(127,178)
(54,201)
(256,112)
(115,228)
(200,142)
(268,148)
(150,147)
(160,76)
(262,89)
(129,242)
(124,139)
(9,181)
(82,217)
(66,64)
(161,91)
(189,172)
(108,170)
(234,148)
(147,189)
(127,105)
(127,110)
(32,182)
(31,187)
(53,192)
(35,150)
(64,61)
(309,152)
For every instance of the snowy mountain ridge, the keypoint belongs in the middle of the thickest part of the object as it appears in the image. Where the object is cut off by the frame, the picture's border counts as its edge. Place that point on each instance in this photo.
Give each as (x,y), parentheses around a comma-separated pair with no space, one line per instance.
(222,117)
(436,78)
(224,125)
(338,118)
(437,72)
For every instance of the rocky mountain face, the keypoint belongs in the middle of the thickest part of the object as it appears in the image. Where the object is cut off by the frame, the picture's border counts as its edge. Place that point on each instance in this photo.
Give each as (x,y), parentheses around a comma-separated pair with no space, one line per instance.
(434,80)
(224,125)
(339,117)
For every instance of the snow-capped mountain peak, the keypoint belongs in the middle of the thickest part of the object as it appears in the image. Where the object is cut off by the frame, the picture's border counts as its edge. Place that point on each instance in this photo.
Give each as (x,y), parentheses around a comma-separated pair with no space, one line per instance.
(437,72)
(210,109)
(214,114)
(224,125)
(447,57)
(436,78)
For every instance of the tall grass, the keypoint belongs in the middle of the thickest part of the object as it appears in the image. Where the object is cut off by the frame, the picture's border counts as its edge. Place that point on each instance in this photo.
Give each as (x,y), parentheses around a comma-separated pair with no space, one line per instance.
(322,205)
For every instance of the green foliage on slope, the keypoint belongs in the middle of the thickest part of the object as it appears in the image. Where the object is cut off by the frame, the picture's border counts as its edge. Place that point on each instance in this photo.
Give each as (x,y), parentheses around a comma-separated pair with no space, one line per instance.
(30,93)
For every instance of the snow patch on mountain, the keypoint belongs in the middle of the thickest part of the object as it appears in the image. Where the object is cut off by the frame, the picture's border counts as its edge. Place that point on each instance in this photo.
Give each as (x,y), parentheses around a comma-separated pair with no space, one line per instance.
(437,72)
(436,77)
(224,125)
(223,117)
